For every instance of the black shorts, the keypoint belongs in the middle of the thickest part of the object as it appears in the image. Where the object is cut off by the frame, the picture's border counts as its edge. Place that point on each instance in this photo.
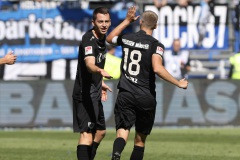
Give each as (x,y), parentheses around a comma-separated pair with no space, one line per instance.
(138,110)
(88,116)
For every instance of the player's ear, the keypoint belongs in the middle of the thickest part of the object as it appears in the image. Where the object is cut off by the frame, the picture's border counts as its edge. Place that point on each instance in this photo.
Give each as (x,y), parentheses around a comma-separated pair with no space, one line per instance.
(155,26)
(93,23)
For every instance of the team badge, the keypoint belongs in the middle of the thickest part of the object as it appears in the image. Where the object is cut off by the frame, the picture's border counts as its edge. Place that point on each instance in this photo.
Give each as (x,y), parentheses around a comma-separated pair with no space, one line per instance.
(88,50)
(159,50)
(91,125)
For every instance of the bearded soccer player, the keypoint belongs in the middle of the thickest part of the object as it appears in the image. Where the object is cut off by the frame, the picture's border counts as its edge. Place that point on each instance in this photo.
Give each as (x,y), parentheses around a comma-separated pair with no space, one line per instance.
(89,88)
(136,100)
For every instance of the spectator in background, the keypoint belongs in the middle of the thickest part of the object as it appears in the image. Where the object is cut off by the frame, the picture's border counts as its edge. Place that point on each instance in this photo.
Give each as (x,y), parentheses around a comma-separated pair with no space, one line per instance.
(123,4)
(183,3)
(205,14)
(160,3)
(234,72)
(9,59)
(112,63)
(176,61)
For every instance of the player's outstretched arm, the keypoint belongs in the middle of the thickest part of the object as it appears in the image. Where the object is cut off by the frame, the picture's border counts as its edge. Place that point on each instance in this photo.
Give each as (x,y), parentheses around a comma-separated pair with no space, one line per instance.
(92,68)
(130,17)
(159,69)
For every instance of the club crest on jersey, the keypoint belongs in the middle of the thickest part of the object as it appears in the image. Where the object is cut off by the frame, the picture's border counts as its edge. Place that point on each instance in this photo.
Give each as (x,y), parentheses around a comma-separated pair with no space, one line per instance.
(100,57)
(159,50)
(88,50)
(91,125)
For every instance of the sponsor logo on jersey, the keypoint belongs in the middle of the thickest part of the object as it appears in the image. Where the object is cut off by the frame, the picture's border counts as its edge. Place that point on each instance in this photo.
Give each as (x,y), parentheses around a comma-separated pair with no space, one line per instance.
(88,50)
(159,50)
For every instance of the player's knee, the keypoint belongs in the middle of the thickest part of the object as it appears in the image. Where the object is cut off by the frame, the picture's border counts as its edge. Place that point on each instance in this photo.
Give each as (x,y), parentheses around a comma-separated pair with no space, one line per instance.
(100,134)
(103,133)
(140,139)
(86,138)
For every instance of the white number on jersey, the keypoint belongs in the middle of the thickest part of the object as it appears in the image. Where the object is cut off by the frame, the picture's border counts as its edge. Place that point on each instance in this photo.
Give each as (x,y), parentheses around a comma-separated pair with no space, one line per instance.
(134,62)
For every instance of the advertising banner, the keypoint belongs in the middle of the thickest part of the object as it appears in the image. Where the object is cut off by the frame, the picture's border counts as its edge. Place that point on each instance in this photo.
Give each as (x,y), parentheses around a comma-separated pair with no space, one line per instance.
(177,22)
(49,104)
(39,32)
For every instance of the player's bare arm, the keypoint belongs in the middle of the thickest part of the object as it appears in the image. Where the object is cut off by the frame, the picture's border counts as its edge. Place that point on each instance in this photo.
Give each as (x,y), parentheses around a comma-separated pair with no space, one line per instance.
(159,69)
(130,17)
(92,68)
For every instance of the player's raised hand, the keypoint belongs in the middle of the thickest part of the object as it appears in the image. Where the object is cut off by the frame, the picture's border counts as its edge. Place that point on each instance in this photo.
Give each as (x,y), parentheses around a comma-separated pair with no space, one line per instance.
(183,83)
(104,74)
(131,15)
(10,58)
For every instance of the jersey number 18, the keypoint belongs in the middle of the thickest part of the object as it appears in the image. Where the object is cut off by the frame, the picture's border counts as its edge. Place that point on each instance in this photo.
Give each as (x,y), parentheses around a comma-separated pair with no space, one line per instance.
(129,65)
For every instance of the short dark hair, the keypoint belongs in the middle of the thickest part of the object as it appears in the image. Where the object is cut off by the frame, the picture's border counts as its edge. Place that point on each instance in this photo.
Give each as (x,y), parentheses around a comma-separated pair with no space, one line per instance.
(102,10)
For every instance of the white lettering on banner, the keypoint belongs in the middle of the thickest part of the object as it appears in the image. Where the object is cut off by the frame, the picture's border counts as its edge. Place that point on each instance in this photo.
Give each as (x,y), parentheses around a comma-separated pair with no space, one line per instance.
(15,104)
(67,50)
(33,51)
(48,28)
(209,40)
(169,26)
(191,36)
(224,109)
(2,30)
(217,104)
(11,32)
(177,110)
(54,105)
(31,5)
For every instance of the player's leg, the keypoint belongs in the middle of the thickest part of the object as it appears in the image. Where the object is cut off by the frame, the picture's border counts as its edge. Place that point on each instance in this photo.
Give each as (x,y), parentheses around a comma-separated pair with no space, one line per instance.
(124,119)
(100,134)
(84,146)
(100,128)
(119,143)
(82,115)
(139,145)
(145,115)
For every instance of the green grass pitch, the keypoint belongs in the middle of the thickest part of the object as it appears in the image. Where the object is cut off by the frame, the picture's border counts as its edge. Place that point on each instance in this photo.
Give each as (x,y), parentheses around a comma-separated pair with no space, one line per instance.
(162,144)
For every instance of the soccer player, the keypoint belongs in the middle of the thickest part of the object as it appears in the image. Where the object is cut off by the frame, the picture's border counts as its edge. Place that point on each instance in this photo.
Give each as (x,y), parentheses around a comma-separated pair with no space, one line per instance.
(136,100)
(9,58)
(89,88)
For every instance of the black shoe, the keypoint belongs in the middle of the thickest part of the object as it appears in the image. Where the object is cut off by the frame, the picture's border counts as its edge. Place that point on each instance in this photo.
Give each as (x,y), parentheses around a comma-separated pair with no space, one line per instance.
(116,156)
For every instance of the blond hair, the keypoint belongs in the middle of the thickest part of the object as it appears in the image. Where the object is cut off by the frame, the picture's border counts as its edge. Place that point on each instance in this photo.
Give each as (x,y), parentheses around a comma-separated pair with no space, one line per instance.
(149,19)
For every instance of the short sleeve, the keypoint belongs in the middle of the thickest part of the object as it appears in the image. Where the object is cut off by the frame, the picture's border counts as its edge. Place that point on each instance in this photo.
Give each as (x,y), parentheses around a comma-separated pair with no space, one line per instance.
(119,40)
(88,47)
(158,48)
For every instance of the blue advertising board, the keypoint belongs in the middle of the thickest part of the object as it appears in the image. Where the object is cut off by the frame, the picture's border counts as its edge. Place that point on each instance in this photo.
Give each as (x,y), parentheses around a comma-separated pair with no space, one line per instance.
(47,32)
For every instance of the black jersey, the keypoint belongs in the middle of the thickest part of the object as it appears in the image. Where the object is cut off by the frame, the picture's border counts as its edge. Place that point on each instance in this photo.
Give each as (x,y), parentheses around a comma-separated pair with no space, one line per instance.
(137,74)
(88,85)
